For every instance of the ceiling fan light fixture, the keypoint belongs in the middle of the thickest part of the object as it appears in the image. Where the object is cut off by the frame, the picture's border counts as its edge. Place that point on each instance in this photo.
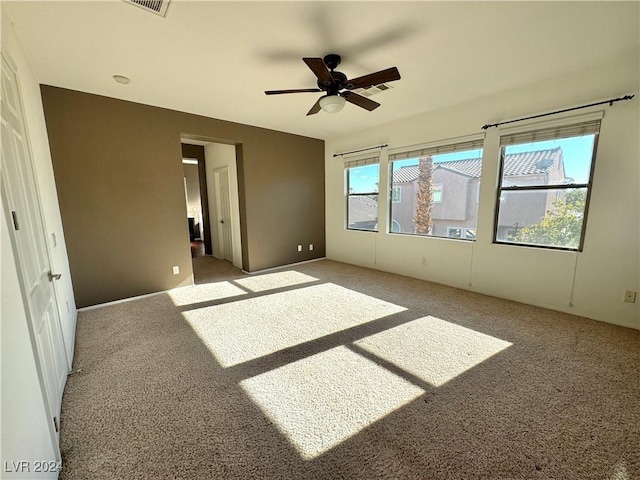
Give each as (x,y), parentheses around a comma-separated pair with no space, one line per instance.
(332,103)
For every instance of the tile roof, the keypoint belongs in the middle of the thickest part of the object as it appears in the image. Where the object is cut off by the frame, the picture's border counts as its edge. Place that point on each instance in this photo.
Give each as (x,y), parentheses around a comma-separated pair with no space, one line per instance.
(526,163)
(405,174)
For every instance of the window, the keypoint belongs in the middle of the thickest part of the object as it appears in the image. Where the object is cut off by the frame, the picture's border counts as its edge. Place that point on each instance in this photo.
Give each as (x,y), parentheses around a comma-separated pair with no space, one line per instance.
(545,183)
(462,233)
(362,193)
(437,184)
(396,194)
(437,193)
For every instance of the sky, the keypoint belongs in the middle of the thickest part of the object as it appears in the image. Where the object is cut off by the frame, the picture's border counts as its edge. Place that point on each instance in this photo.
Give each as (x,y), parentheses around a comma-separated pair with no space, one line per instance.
(576,152)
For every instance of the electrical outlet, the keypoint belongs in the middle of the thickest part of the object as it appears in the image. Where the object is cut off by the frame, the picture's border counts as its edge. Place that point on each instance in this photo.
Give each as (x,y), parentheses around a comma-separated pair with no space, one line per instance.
(299,248)
(630,296)
(176,269)
(310,246)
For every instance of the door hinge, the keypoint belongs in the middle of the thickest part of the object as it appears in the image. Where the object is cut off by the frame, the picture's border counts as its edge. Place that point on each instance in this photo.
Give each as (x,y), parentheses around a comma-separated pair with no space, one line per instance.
(14,215)
(56,423)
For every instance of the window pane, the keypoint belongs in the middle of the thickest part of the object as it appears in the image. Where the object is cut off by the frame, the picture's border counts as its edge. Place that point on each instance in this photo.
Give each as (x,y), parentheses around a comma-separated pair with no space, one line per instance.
(435,192)
(362,197)
(550,217)
(553,162)
(363,212)
(460,232)
(454,232)
(363,179)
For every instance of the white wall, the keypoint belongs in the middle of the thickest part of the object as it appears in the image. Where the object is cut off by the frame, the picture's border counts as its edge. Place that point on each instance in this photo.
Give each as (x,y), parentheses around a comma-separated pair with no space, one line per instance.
(219,155)
(610,262)
(25,430)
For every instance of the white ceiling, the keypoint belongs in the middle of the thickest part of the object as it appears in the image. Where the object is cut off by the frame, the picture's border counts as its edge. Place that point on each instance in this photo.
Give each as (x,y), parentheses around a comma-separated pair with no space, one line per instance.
(217,58)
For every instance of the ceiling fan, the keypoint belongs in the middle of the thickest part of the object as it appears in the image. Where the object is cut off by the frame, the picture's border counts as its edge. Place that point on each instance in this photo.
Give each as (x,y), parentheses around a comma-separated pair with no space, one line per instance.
(338,87)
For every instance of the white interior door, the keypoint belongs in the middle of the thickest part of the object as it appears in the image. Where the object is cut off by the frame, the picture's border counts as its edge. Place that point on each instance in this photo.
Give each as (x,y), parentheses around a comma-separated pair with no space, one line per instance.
(21,201)
(224,213)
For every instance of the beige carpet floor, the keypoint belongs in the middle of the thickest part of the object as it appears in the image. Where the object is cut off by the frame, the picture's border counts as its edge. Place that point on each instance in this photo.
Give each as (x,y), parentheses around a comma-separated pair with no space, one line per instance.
(330,371)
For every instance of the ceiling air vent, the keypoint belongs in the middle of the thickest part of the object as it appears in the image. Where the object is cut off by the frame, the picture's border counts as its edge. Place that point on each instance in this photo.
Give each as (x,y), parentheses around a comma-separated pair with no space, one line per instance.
(373,90)
(159,7)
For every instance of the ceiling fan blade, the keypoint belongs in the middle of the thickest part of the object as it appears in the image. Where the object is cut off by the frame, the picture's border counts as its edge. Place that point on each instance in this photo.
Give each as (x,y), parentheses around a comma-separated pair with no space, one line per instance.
(360,101)
(319,69)
(388,75)
(315,109)
(299,90)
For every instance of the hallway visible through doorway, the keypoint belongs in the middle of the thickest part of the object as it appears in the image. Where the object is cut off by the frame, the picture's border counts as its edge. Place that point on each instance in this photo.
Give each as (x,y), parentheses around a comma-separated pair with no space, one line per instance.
(208,269)
(197,249)
(212,199)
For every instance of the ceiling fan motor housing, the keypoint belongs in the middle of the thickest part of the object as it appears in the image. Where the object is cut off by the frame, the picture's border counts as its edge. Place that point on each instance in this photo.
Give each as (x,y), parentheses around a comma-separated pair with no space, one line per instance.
(332,60)
(332,88)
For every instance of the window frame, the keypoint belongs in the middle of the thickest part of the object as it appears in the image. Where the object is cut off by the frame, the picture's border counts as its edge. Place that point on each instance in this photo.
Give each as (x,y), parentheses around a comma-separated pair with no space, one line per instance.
(357,163)
(530,188)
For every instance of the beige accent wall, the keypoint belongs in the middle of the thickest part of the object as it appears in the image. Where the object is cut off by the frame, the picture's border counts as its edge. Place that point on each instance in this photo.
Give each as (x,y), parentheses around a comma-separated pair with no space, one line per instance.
(119,176)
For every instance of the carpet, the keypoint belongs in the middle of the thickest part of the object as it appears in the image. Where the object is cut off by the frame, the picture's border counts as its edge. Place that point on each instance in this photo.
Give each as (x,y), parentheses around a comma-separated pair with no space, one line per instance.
(330,371)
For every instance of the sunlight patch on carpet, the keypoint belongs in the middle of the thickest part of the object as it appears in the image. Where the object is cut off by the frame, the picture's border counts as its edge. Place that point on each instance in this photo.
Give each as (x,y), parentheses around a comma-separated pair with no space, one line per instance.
(204,293)
(251,328)
(620,471)
(322,400)
(271,281)
(432,349)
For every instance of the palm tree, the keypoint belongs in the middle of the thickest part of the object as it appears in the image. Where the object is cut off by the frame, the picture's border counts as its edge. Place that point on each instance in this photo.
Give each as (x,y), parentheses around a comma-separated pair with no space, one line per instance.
(424,196)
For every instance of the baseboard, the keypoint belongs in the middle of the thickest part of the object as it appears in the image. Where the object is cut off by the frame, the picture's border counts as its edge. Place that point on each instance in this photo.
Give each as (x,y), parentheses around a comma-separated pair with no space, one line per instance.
(146,295)
(555,308)
(284,266)
(123,300)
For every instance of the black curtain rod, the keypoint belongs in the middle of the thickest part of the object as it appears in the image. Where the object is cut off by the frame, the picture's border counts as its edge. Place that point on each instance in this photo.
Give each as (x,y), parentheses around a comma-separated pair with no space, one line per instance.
(610,102)
(358,151)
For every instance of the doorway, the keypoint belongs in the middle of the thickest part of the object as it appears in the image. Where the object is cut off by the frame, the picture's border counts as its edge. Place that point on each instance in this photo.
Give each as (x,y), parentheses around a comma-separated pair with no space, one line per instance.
(217,169)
